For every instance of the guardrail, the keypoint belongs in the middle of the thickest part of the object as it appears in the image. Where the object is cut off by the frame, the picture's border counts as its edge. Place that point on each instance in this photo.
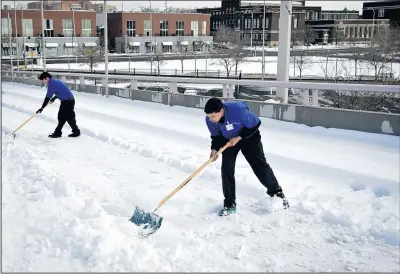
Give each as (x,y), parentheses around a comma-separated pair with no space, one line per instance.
(309,113)
(228,84)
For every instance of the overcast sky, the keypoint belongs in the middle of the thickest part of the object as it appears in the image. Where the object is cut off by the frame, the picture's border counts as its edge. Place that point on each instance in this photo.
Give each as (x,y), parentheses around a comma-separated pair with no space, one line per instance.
(128,5)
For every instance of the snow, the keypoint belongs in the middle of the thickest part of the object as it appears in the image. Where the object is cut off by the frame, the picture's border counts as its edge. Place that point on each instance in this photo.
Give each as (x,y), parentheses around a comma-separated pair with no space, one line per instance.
(66,202)
(315,66)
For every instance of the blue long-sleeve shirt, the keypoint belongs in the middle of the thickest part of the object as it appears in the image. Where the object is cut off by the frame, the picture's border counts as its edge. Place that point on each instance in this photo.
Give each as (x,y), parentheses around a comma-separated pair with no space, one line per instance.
(59,89)
(238,120)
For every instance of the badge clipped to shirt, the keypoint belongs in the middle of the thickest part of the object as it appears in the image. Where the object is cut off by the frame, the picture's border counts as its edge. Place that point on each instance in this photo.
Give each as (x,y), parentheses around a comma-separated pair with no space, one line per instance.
(229,127)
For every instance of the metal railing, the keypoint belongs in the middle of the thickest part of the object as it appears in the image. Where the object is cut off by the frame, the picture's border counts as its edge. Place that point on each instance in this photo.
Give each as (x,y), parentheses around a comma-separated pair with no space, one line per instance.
(309,91)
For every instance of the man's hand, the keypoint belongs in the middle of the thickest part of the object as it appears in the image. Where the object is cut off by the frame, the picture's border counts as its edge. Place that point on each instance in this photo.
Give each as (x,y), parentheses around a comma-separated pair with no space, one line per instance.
(232,142)
(39,110)
(53,99)
(213,152)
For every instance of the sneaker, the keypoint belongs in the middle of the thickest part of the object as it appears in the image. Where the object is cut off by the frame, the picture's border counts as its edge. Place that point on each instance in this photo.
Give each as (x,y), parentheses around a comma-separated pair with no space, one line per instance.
(227,211)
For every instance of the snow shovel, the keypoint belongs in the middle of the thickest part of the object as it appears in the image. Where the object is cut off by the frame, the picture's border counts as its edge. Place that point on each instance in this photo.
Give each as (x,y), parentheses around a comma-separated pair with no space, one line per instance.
(151,222)
(24,123)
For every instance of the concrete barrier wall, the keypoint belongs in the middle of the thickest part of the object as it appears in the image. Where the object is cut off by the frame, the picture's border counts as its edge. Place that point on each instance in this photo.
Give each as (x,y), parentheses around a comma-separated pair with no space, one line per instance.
(372,122)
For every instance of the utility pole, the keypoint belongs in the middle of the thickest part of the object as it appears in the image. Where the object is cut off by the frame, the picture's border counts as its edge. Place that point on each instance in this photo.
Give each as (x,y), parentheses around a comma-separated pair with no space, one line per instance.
(105,45)
(10,35)
(263,45)
(43,45)
(16,31)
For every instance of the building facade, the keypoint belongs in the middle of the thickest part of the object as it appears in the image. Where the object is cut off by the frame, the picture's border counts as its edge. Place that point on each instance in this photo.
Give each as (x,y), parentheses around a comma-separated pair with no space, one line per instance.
(343,31)
(383,10)
(134,32)
(60,35)
(340,14)
(247,19)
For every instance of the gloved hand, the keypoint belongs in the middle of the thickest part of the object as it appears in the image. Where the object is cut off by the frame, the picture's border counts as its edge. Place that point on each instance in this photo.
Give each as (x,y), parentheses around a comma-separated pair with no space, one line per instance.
(39,110)
(53,99)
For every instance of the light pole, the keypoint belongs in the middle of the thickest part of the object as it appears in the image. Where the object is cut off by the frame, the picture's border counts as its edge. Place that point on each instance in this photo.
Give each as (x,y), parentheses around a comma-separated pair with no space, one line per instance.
(43,45)
(74,40)
(151,40)
(16,31)
(23,34)
(263,44)
(10,35)
(105,45)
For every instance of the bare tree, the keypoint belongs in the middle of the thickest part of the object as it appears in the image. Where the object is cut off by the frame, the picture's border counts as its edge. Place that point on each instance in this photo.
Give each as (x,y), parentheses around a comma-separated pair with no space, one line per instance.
(156,59)
(230,50)
(301,62)
(339,35)
(310,36)
(183,51)
(91,56)
(386,41)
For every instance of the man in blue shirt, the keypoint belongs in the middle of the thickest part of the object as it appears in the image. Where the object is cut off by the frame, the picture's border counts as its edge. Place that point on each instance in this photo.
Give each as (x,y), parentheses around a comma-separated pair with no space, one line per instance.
(233,123)
(66,112)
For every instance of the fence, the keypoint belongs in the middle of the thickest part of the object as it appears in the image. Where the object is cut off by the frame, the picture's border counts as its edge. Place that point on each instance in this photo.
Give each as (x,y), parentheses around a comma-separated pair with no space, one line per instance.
(309,113)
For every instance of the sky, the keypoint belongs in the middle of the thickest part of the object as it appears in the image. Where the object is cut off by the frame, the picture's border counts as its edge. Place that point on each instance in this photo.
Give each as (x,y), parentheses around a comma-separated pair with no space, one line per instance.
(128,5)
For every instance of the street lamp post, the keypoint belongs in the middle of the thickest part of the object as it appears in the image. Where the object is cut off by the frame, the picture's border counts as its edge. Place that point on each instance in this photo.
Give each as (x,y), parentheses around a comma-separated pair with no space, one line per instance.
(105,46)
(263,44)
(43,45)
(16,34)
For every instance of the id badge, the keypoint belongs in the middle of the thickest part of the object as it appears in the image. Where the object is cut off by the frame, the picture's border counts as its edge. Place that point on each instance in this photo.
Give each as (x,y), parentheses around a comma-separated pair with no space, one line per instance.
(229,127)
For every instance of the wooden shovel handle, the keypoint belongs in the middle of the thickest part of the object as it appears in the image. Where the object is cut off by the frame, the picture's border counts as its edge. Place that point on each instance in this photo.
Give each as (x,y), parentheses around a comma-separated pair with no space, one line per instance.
(187,180)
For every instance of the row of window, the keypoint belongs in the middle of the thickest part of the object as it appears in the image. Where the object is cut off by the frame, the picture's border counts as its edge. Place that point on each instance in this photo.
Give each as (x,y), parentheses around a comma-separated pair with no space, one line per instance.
(164,26)
(27,27)
(249,24)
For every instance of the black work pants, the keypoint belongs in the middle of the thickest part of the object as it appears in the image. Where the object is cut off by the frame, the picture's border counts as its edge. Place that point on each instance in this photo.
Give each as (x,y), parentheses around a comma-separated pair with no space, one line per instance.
(66,113)
(252,150)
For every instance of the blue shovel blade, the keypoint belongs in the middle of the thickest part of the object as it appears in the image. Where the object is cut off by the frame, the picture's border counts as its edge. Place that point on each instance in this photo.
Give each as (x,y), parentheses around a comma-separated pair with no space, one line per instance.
(146,220)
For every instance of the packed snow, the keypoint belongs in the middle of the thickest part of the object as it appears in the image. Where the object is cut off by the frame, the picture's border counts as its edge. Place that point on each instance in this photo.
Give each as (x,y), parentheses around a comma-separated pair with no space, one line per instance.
(66,202)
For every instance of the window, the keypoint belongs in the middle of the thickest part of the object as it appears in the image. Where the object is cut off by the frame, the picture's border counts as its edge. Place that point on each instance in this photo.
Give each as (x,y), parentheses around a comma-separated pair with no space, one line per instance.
(295,23)
(180,28)
(381,13)
(27,27)
(205,28)
(131,28)
(163,28)
(265,23)
(48,27)
(148,27)
(195,28)
(5,27)
(68,28)
(86,27)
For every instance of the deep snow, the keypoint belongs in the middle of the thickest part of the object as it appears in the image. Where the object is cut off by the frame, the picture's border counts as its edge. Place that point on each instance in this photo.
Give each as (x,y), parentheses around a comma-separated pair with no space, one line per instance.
(66,202)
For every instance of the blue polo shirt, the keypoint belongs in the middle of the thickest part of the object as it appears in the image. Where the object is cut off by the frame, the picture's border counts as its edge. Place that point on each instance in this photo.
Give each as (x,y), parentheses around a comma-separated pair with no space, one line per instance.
(59,89)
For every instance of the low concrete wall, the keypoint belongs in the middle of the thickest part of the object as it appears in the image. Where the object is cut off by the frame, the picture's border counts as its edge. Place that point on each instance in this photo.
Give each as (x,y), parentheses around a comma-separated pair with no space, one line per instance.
(372,122)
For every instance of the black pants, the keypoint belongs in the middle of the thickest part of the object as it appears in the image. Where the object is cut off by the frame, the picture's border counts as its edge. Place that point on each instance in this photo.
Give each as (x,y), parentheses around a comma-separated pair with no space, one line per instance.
(252,150)
(66,114)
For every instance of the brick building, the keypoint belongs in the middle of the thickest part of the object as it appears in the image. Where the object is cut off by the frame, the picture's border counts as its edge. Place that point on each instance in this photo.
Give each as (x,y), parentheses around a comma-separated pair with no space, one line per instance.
(338,31)
(383,10)
(247,19)
(61,5)
(58,27)
(133,32)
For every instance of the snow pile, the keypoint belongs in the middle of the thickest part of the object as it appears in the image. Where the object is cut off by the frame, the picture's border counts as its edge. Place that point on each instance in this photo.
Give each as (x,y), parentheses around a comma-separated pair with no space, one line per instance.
(66,202)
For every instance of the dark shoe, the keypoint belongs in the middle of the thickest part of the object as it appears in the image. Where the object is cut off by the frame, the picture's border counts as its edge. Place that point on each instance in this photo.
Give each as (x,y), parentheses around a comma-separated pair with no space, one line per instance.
(285,201)
(75,134)
(53,135)
(227,210)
